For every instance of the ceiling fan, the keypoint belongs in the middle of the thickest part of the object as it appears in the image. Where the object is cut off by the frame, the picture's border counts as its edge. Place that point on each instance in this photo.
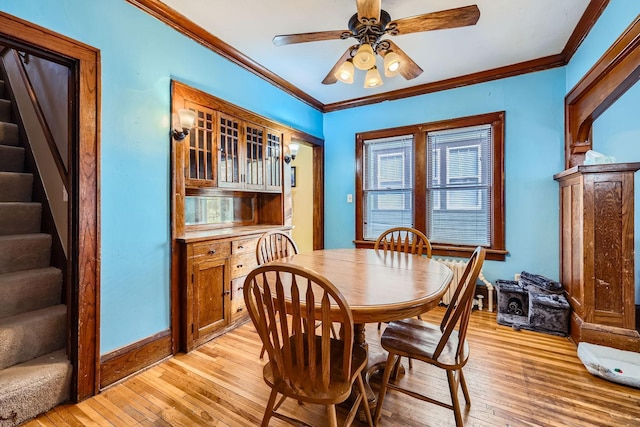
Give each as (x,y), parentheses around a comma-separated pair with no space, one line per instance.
(368,26)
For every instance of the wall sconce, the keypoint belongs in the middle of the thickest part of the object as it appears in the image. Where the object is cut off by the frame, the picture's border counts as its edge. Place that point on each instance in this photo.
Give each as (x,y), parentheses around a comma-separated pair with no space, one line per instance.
(293,151)
(187,120)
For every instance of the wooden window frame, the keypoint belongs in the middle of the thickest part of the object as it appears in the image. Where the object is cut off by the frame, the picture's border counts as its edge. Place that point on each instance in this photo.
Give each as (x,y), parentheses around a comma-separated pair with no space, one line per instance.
(497,251)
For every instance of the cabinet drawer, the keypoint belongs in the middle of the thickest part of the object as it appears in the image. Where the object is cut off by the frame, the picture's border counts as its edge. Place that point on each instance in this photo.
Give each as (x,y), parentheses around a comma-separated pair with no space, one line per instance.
(242,264)
(238,308)
(244,245)
(211,250)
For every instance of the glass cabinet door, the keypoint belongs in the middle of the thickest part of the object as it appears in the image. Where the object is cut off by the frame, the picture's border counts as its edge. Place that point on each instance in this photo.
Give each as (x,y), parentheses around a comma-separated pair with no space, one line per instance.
(229,165)
(254,157)
(273,161)
(200,146)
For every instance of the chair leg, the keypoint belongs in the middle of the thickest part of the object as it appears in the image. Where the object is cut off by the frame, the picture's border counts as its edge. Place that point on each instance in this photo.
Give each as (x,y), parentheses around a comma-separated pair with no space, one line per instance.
(269,409)
(331,413)
(453,389)
(379,325)
(383,386)
(365,401)
(262,352)
(465,391)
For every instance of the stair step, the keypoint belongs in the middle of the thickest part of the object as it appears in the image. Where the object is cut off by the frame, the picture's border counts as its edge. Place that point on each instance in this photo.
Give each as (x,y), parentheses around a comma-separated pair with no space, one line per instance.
(24,252)
(19,218)
(29,290)
(5,110)
(11,158)
(29,335)
(15,187)
(32,388)
(9,133)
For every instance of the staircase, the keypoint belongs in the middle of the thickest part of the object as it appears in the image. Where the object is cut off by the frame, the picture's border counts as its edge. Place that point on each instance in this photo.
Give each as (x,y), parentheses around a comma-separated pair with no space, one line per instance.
(35,374)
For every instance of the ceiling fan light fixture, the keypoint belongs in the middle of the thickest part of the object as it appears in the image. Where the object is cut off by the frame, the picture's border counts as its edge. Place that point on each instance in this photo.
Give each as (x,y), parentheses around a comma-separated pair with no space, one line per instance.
(372,79)
(365,58)
(346,71)
(392,64)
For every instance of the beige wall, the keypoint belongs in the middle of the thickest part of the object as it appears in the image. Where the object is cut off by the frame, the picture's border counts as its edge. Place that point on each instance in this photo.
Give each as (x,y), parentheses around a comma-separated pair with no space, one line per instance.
(302,195)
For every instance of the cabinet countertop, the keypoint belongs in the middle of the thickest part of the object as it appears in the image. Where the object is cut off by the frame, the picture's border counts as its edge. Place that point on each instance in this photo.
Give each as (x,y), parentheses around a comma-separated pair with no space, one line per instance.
(224,233)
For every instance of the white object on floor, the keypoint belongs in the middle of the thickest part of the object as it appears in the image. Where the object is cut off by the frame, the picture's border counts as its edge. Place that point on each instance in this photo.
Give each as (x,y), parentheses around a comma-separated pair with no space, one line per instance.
(615,365)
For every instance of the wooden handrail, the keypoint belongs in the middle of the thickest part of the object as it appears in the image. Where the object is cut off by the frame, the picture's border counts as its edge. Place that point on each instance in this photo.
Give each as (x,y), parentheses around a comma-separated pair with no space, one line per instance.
(62,170)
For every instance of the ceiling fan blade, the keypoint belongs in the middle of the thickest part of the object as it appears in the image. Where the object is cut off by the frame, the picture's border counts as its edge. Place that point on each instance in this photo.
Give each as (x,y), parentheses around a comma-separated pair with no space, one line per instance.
(452,18)
(410,70)
(311,37)
(369,9)
(331,78)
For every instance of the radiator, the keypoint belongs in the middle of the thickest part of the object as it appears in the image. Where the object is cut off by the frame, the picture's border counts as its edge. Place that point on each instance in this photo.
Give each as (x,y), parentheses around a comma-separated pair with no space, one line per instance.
(458,266)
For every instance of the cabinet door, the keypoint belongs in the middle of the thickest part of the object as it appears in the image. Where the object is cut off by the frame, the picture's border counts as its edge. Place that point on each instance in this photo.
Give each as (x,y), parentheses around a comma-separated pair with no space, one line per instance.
(254,157)
(230,152)
(273,161)
(211,298)
(200,147)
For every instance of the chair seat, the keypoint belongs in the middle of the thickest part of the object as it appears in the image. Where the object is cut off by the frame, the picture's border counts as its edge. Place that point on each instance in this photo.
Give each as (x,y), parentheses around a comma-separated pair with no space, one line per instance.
(418,339)
(339,390)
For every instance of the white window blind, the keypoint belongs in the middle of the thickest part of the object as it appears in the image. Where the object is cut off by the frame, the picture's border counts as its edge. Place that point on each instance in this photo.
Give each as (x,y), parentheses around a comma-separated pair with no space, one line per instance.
(388,184)
(459,181)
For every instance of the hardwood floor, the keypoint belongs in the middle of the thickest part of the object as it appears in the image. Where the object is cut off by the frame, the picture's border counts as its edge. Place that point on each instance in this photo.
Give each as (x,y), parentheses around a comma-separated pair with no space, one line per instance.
(515,379)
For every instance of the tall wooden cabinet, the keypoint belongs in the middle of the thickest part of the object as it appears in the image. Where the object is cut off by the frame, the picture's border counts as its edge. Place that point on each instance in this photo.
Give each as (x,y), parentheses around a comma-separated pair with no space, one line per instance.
(597,252)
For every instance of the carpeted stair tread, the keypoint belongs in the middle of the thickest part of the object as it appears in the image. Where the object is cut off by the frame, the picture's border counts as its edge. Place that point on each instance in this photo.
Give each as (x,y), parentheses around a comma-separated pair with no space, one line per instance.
(15,187)
(30,335)
(5,110)
(19,218)
(11,158)
(24,291)
(34,387)
(24,252)
(9,133)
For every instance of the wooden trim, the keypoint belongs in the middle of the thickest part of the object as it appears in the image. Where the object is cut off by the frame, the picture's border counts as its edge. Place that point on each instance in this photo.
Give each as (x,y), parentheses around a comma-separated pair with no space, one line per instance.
(611,76)
(184,26)
(587,21)
(128,360)
(469,79)
(419,131)
(84,308)
(44,125)
(318,197)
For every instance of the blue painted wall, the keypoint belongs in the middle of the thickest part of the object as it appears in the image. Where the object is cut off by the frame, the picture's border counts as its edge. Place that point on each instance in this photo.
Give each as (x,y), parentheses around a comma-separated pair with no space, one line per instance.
(533,153)
(617,131)
(140,56)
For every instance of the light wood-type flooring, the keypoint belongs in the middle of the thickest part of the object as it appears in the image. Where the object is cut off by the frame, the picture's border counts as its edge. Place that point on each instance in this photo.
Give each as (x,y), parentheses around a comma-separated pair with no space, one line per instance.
(515,378)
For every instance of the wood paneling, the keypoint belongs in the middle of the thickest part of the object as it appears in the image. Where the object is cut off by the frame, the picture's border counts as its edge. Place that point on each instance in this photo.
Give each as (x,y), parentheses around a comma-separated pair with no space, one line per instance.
(597,255)
(84,307)
(515,378)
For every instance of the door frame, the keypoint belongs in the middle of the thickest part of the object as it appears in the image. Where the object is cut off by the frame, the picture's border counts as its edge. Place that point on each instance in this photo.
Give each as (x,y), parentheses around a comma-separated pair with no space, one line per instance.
(83,307)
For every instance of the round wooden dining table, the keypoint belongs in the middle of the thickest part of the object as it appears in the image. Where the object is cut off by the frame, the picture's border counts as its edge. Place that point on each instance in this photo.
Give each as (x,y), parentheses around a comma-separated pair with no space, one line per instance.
(380,286)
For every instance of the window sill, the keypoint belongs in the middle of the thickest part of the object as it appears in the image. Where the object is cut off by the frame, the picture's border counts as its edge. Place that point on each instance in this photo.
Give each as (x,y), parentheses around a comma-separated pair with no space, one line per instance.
(448,251)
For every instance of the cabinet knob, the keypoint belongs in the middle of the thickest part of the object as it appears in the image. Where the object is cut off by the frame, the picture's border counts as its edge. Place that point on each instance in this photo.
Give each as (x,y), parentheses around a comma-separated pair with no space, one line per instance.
(212,251)
(240,247)
(226,292)
(239,266)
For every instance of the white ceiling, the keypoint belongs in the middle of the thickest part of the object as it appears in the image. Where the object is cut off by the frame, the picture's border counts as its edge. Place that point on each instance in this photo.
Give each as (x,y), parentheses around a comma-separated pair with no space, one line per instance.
(508,32)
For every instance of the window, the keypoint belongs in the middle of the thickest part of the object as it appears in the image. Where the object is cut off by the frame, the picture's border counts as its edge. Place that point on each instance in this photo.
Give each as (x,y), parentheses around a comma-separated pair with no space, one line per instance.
(443,178)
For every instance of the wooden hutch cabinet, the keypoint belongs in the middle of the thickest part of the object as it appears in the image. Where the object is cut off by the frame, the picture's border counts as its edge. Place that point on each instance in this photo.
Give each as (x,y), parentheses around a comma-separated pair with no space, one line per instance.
(228,189)
(597,246)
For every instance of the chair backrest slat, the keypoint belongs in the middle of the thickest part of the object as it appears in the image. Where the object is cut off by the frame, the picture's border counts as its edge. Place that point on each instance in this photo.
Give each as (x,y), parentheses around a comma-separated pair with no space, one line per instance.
(459,309)
(404,239)
(274,245)
(298,297)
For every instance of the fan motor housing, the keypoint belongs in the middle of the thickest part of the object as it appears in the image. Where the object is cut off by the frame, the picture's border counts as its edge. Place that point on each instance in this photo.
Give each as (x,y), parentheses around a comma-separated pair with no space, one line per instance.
(369,30)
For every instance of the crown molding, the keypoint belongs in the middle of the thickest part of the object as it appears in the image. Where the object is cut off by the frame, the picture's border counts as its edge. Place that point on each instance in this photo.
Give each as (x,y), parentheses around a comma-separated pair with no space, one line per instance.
(186,27)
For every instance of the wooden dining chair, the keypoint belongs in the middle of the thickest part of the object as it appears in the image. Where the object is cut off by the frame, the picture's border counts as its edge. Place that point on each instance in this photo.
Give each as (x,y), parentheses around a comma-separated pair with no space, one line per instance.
(443,345)
(404,239)
(274,245)
(305,364)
